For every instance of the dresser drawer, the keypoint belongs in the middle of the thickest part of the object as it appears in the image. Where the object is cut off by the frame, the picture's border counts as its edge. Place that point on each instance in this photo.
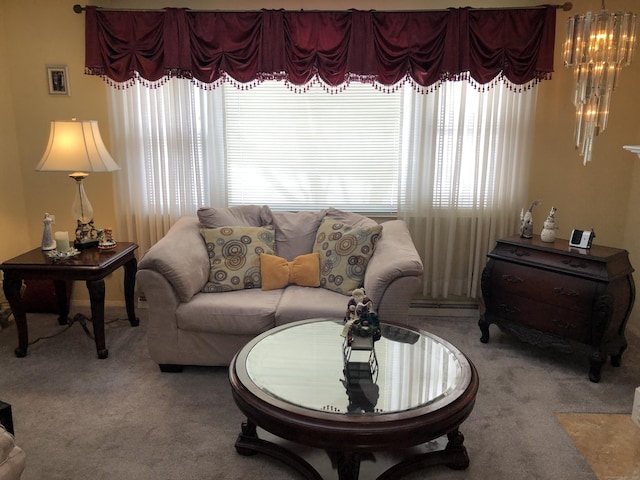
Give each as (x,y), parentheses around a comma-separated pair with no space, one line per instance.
(565,262)
(540,316)
(563,291)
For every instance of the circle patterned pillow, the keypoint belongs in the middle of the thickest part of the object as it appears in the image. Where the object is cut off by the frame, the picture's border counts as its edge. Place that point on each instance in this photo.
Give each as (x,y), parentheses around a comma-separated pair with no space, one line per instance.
(234,256)
(345,251)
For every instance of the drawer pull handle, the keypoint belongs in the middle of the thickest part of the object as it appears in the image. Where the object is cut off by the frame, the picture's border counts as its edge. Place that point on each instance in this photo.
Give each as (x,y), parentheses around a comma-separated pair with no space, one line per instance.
(563,291)
(574,265)
(520,253)
(508,308)
(512,279)
(563,324)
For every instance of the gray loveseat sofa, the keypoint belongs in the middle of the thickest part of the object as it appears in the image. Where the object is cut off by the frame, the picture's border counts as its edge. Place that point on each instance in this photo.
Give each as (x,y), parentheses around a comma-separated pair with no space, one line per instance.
(195,320)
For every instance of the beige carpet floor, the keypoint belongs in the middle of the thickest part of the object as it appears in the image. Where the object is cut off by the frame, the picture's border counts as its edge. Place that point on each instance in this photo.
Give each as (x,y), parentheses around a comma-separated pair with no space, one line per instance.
(609,443)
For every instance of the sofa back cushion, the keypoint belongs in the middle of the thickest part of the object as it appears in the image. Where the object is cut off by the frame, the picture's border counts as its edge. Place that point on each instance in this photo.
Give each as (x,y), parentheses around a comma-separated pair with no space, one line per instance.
(345,251)
(350,218)
(295,232)
(234,256)
(242,215)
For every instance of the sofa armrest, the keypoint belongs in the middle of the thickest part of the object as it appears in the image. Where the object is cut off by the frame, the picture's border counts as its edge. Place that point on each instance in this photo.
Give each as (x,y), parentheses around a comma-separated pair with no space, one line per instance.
(181,257)
(12,457)
(395,261)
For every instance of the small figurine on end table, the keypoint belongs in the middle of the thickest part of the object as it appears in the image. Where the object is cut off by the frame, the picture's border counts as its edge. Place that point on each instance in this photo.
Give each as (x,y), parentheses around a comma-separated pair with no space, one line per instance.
(526,221)
(48,242)
(106,241)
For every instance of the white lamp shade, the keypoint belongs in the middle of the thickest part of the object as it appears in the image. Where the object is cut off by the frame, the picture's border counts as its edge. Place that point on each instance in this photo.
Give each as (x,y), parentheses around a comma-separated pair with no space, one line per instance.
(76,146)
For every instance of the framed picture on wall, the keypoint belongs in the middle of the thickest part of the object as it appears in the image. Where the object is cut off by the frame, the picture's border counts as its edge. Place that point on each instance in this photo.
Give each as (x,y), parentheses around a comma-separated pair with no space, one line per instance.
(58,77)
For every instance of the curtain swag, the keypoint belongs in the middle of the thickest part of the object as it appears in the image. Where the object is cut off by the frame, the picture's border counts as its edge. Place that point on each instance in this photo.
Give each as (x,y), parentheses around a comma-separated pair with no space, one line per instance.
(383,48)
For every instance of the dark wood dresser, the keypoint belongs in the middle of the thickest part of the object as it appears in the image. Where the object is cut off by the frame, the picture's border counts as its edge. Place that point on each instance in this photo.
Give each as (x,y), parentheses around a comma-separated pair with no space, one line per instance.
(554,294)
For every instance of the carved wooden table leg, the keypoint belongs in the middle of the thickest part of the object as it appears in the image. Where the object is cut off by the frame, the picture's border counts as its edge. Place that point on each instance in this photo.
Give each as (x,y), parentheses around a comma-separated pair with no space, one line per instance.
(616,359)
(455,444)
(248,443)
(96,294)
(130,269)
(12,285)
(348,465)
(483,323)
(602,312)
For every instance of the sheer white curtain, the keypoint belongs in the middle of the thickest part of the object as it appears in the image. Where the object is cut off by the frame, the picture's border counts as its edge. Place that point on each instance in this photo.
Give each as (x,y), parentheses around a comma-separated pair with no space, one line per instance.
(465,162)
(169,142)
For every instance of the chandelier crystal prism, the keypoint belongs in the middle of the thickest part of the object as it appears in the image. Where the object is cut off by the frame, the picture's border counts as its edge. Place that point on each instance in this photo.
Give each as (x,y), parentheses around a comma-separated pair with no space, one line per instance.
(597,46)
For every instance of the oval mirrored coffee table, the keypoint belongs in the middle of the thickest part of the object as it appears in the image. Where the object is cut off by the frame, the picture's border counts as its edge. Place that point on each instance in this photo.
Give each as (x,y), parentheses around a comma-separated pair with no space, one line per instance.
(301,383)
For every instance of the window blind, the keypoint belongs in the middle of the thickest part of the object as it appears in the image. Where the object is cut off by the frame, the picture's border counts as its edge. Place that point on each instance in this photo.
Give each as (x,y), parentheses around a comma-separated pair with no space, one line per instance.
(310,151)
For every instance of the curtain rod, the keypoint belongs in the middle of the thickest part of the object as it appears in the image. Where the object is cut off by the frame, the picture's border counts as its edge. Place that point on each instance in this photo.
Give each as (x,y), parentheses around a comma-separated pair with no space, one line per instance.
(566,6)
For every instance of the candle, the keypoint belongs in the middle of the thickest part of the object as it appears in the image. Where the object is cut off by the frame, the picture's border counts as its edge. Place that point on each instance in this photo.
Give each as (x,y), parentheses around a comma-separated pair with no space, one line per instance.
(62,241)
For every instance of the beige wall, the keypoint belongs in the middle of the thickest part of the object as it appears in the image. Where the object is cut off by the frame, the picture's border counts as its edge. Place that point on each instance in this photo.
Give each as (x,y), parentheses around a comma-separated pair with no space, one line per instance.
(602,195)
(14,234)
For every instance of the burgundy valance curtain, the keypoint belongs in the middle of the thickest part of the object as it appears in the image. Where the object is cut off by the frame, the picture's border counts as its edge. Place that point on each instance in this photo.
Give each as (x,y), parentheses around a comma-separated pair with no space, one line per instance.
(372,46)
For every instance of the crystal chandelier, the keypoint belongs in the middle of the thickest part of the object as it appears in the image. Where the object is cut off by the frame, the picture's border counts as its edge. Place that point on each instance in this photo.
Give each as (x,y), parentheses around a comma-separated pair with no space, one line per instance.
(597,46)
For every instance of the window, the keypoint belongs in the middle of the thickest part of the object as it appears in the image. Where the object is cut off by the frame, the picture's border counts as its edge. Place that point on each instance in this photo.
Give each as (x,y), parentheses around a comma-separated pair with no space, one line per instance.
(451,163)
(305,151)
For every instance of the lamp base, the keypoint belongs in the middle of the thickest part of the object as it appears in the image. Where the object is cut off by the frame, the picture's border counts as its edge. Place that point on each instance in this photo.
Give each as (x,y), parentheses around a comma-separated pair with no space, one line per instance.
(82,245)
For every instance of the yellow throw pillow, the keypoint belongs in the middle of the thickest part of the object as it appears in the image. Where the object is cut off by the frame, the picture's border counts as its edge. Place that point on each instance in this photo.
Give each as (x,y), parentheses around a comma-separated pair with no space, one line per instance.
(276,272)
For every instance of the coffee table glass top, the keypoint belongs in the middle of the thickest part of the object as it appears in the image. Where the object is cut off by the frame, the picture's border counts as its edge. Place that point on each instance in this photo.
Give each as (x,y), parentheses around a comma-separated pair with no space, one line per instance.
(302,364)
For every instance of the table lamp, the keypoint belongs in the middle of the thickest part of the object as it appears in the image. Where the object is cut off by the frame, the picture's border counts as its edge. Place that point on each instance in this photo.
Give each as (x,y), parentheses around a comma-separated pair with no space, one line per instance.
(77,147)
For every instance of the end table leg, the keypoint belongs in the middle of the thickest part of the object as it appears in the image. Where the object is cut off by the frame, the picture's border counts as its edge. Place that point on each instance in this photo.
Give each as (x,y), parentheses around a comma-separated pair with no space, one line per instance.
(96,296)
(130,269)
(63,305)
(12,285)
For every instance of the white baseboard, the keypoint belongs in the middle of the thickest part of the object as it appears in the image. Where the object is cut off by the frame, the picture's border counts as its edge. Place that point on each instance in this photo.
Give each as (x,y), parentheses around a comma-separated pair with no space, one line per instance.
(444,308)
(86,303)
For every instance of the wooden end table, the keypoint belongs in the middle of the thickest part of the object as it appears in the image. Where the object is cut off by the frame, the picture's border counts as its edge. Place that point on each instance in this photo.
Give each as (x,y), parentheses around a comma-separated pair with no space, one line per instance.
(91,265)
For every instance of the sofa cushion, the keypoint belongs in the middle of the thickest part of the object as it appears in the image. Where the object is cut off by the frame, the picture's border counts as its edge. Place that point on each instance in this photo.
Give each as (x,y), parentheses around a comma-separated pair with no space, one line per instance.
(302,303)
(295,232)
(234,256)
(276,272)
(245,215)
(241,312)
(345,251)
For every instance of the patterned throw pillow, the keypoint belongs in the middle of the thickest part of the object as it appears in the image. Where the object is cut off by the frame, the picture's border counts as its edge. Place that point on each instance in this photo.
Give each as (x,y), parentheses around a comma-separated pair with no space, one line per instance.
(345,251)
(234,256)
